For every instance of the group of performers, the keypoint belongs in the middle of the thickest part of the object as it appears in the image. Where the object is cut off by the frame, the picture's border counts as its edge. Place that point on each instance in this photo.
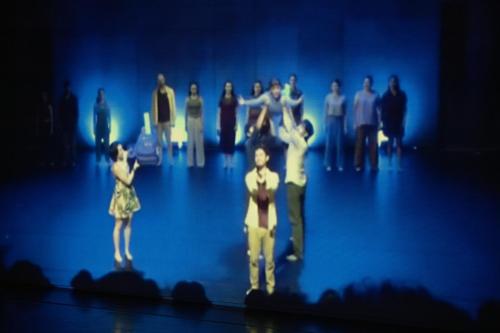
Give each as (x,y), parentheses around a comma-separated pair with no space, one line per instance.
(371,112)
(274,121)
(261,182)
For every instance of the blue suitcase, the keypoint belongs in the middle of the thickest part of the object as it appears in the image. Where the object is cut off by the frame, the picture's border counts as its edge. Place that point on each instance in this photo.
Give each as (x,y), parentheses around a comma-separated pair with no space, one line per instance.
(146,149)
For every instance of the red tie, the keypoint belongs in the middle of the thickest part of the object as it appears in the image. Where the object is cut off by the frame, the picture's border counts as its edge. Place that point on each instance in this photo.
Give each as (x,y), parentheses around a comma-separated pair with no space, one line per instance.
(262,204)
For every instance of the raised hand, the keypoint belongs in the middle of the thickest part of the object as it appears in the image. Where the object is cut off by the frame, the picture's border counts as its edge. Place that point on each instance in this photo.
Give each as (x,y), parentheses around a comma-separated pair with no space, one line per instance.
(241,100)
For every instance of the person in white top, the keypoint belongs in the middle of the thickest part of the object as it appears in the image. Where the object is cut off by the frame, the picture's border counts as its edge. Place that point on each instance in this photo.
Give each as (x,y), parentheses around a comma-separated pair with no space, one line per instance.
(261,218)
(296,137)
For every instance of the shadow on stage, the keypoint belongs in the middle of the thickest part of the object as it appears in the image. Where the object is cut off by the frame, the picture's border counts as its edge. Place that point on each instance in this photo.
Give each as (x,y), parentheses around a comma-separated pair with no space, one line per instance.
(383,303)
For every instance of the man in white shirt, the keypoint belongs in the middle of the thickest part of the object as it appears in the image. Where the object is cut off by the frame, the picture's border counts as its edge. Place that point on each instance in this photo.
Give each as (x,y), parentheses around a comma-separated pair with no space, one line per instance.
(296,137)
(261,218)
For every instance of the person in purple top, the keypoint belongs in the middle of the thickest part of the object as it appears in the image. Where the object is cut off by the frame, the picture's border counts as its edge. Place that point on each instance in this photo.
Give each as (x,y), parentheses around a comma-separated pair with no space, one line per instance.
(227,123)
(366,124)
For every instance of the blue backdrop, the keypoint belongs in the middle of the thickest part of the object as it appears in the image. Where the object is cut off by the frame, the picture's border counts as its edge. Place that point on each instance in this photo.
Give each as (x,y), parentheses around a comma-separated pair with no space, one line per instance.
(122,45)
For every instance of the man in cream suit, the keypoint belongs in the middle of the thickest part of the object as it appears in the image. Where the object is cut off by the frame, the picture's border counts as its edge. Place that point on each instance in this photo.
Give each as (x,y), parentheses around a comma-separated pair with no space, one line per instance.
(261,218)
(163,114)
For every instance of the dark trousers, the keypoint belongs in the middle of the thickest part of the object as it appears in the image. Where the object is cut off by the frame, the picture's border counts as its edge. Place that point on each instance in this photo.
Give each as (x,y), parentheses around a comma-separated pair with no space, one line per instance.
(363,133)
(101,141)
(334,140)
(69,146)
(295,199)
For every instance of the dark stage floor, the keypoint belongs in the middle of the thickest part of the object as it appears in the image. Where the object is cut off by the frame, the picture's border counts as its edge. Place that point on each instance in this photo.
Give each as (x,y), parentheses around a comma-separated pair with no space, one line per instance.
(64,311)
(434,227)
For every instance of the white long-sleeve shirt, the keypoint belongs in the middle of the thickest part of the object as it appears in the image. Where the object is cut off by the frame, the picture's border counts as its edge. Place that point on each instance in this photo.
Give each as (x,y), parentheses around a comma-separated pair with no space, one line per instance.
(297,149)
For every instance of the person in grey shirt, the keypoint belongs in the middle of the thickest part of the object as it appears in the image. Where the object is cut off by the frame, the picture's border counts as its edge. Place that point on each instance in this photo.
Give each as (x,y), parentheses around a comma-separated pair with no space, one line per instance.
(335,126)
(194,116)
(366,123)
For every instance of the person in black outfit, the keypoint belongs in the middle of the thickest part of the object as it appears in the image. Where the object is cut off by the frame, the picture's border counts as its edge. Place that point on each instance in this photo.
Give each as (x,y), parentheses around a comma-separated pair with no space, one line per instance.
(68,115)
(393,107)
(259,135)
(102,125)
(296,93)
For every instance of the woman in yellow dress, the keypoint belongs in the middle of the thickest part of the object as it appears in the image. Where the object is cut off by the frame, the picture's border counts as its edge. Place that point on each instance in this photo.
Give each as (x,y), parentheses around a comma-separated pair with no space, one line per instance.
(124,202)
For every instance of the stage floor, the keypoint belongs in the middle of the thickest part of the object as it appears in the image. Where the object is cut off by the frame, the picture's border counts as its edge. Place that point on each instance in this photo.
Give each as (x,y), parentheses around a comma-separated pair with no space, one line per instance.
(434,225)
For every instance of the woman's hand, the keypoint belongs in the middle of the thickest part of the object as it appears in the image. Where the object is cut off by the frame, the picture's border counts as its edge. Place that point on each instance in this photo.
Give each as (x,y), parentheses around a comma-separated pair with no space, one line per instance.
(136,165)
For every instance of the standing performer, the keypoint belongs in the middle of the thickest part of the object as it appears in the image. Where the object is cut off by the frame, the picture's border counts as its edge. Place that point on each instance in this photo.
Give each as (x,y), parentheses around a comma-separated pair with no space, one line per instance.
(163,112)
(259,134)
(102,125)
(296,93)
(296,137)
(261,218)
(253,112)
(68,114)
(227,122)
(194,126)
(366,124)
(393,107)
(335,126)
(124,202)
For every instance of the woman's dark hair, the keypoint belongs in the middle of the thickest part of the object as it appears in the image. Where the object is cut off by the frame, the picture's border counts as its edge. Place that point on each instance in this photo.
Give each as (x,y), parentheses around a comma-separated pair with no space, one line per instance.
(252,92)
(396,79)
(308,126)
(263,148)
(370,78)
(338,82)
(113,151)
(233,95)
(274,82)
(197,88)
(98,98)
(294,76)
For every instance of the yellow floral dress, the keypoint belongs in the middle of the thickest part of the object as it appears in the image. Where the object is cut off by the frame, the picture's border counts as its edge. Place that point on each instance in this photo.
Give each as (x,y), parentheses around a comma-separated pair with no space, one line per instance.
(124,201)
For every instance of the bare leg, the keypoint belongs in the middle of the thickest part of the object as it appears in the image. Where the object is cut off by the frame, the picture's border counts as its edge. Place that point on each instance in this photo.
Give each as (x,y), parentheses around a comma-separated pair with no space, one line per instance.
(116,239)
(127,232)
